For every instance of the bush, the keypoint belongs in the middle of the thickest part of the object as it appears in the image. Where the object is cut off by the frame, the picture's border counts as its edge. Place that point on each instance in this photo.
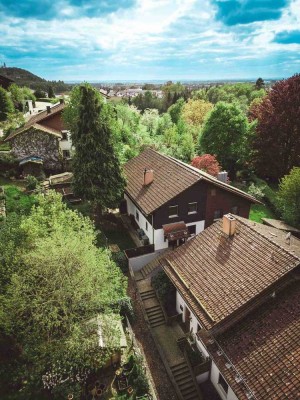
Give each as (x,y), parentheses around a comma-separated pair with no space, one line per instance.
(121,260)
(31,182)
(289,197)
(126,308)
(141,383)
(162,286)
(256,191)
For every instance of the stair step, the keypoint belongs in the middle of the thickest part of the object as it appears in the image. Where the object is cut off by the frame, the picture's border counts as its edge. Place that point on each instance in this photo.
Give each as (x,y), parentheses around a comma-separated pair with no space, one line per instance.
(192,396)
(187,387)
(155,313)
(178,366)
(147,296)
(181,370)
(181,380)
(155,324)
(156,319)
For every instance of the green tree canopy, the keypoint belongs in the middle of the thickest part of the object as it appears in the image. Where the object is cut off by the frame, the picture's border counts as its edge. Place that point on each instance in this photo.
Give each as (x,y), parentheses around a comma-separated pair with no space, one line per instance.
(6,104)
(96,168)
(224,134)
(62,282)
(289,197)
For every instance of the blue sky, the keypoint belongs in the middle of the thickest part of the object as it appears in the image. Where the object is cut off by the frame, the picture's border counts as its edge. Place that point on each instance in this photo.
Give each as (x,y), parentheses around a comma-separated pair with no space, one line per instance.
(151,39)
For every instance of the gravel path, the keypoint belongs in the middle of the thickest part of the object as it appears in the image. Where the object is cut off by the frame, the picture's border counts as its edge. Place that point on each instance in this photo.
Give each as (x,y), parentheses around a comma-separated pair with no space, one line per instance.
(162,384)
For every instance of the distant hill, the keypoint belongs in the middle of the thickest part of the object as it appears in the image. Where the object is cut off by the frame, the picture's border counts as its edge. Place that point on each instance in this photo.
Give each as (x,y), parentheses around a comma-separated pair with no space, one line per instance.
(22,77)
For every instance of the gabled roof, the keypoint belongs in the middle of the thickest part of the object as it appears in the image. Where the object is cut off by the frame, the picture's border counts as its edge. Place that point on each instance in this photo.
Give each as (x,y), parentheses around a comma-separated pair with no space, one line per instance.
(171,177)
(222,278)
(263,350)
(36,122)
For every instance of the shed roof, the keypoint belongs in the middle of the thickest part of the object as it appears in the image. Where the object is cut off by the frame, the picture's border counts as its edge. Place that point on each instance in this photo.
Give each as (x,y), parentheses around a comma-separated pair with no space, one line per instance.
(171,177)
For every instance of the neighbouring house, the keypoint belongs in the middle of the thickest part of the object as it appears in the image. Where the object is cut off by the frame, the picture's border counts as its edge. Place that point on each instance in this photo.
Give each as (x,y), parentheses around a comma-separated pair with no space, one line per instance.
(5,82)
(172,201)
(45,137)
(238,292)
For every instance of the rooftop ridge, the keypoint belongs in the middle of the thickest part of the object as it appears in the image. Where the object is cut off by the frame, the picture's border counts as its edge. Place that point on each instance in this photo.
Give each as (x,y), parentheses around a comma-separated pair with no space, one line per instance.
(248,224)
(203,175)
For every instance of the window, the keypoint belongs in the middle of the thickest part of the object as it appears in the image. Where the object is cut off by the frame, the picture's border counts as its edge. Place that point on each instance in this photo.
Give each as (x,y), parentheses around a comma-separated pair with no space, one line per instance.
(137,215)
(181,307)
(146,225)
(235,210)
(173,211)
(218,214)
(192,229)
(66,154)
(223,383)
(64,135)
(192,208)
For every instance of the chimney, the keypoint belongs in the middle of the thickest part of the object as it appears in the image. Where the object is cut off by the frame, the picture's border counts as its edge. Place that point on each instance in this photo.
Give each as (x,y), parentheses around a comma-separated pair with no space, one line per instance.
(222,176)
(48,110)
(229,224)
(148,176)
(61,101)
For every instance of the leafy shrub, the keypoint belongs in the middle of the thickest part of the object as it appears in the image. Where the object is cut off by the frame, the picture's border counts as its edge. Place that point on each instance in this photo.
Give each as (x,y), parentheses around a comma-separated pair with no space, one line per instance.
(126,308)
(121,260)
(270,195)
(141,383)
(162,286)
(256,191)
(31,182)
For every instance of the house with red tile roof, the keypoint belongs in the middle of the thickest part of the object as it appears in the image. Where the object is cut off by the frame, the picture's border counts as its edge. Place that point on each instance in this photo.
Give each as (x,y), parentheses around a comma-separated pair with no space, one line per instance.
(238,292)
(43,137)
(172,201)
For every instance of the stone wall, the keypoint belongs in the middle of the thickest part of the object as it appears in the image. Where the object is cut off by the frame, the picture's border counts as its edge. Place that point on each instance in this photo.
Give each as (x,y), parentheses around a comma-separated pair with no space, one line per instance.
(33,142)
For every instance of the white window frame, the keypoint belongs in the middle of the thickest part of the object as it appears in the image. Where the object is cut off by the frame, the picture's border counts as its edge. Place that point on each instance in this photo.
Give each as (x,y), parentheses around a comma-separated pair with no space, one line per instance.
(193,212)
(173,215)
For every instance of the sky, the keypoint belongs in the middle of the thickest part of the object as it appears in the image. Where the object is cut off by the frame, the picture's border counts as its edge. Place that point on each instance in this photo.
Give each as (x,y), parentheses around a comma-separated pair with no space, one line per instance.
(98,40)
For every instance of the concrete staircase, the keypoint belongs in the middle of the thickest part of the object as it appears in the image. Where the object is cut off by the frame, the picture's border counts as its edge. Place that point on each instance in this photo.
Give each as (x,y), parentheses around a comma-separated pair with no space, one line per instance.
(184,381)
(155,316)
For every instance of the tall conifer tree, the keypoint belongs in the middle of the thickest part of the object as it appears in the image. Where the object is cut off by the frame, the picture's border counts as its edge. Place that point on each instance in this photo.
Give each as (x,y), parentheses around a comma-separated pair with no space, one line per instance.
(97,172)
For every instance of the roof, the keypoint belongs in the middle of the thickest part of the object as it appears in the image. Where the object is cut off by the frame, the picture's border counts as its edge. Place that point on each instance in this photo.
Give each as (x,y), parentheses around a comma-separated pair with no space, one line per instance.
(35,122)
(171,177)
(176,230)
(222,278)
(264,349)
(31,159)
(277,223)
(64,177)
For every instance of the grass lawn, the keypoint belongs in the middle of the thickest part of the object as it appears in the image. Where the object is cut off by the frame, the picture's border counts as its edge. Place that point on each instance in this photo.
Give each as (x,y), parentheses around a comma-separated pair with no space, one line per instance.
(16,199)
(259,211)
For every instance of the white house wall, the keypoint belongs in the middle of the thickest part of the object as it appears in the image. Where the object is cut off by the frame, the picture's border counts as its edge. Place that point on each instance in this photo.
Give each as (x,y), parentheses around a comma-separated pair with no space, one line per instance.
(214,377)
(131,210)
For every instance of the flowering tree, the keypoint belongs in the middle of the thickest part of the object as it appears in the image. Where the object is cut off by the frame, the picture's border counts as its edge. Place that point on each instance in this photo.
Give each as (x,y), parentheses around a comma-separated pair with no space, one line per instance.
(207,163)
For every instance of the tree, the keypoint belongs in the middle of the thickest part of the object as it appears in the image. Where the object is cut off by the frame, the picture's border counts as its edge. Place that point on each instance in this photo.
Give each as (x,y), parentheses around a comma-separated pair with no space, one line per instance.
(6,104)
(289,197)
(195,111)
(259,84)
(225,135)
(51,94)
(277,142)
(62,282)
(39,94)
(96,168)
(207,163)
(175,110)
